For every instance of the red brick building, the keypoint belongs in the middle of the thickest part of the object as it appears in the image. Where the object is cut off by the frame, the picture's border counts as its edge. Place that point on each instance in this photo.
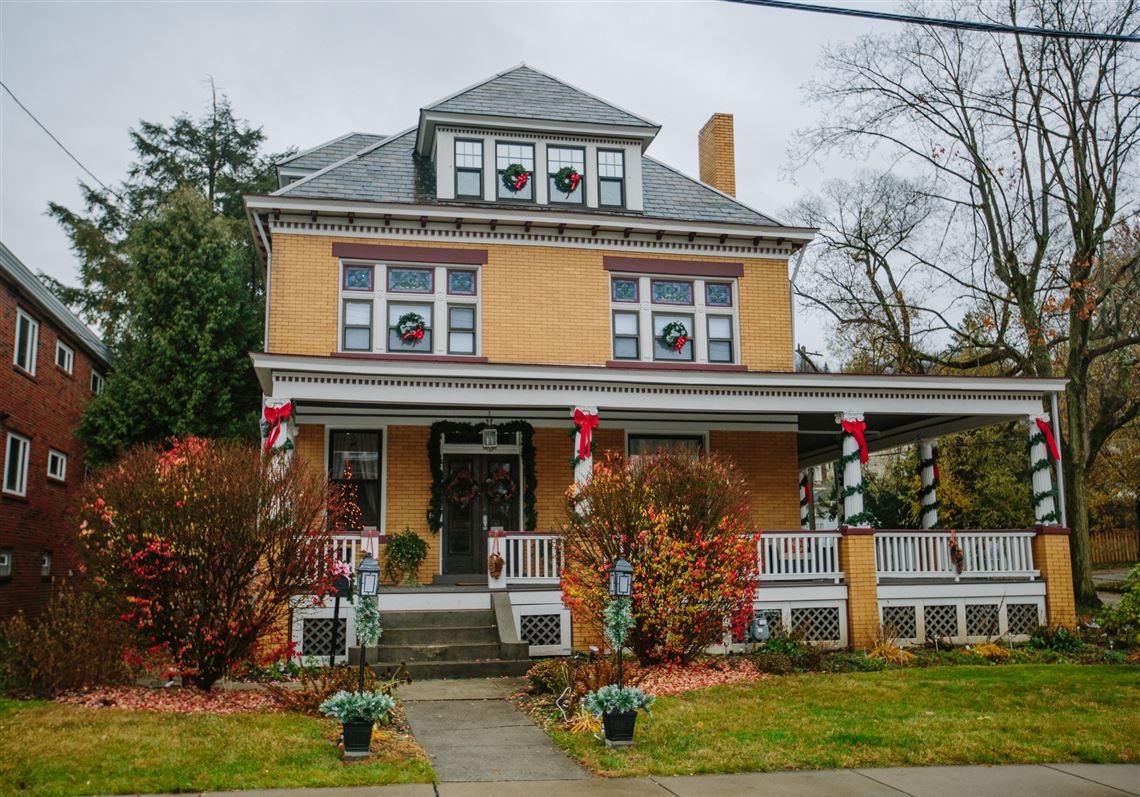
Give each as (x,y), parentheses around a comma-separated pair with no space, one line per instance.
(52,365)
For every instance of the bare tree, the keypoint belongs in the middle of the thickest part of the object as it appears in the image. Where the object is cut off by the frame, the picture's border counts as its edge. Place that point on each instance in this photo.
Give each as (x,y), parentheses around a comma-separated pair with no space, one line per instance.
(1024,147)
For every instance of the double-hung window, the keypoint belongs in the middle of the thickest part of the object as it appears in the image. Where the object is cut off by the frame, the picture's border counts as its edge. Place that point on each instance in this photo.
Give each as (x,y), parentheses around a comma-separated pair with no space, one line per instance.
(468,168)
(96,383)
(27,341)
(64,356)
(611,178)
(507,155)
(559,158)
(354,469)
(16,453)
(673,319)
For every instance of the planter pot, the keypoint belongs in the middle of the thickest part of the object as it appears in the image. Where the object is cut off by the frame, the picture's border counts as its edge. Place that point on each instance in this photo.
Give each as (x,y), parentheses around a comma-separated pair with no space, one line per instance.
(357,737)
(618,728)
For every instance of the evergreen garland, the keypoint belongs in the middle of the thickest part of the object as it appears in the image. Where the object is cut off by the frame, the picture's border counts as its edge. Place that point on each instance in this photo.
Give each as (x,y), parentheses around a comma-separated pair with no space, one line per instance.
(435,459)
(925,490)
(1038,438)
(863,518)
(574,460)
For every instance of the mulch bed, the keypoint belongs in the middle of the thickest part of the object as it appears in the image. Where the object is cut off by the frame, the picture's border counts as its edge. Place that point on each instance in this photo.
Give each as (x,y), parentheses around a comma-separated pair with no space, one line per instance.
(671,679)
(175,699)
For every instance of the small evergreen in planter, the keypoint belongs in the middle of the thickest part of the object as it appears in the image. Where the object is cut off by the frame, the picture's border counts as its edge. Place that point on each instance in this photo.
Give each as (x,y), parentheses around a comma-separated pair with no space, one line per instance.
(357,711)
(405,553)
(617,706)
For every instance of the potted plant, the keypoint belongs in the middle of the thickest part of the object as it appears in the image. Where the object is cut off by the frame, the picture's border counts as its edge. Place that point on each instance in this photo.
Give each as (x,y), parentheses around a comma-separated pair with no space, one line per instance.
(618,706)
(405,552)
(357,712)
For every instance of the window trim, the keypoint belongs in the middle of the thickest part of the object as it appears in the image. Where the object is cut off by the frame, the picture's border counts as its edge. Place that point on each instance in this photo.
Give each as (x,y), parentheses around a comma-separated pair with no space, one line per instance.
(621,181)
(32,349)
(59,456)
(499,177)
(457,168)
(345,326)
(473,330)
(550,176)
(69,369)
(21,488)
(97,377)
(389,327)
(692,341)
(709,339)
(614,336)
(381,473)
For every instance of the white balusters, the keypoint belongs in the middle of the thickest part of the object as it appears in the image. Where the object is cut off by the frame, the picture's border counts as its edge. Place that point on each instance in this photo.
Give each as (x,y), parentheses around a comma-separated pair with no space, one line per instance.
(802,556)
(927,554)
(532,558)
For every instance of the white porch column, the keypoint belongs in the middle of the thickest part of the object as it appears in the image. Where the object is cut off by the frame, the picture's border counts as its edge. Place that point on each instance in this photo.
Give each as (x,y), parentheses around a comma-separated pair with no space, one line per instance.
(805,498)
(852,467)
(584,465)
(277,427)
(928,472)
(1040,458)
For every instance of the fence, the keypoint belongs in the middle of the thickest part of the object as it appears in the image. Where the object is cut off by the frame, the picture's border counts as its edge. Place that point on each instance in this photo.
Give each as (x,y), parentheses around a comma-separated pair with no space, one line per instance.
(928,554)
(798,556)
(1111,547)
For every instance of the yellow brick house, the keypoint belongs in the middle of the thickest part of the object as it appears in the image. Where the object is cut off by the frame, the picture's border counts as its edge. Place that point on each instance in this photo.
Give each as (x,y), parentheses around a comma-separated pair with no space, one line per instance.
(443,300)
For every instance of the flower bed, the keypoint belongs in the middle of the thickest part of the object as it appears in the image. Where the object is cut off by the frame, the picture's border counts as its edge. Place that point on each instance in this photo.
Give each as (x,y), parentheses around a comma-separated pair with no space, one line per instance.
(174,700)
(671,679)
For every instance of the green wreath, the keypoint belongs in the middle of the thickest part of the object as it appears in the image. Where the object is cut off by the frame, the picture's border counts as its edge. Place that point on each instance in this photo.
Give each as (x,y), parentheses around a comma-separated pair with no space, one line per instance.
(410,328)
(675,335)
(515,177)
(461,488)
(567,180)
(500,487)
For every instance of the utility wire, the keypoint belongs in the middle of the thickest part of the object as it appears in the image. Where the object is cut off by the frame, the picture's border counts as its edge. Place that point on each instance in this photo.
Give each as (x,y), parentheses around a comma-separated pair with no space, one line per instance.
(51,135)
(936,22)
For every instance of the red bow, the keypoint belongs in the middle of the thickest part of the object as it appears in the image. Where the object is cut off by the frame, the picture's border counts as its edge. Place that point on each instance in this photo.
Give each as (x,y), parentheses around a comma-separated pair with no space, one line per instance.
(274,416)
(1050,441)
(575,178)
(805,483)
(856,429)
(680,344)
(934,455)
(586,425)
(520,182)
(415,334)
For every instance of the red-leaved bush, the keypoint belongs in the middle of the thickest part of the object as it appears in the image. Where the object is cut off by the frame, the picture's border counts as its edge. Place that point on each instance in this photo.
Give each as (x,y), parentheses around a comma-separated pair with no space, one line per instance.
(201,546)
(680,520)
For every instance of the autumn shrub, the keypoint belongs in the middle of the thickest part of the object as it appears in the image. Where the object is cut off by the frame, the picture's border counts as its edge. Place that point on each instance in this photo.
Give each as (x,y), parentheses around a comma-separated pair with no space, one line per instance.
(773,662)
(75,643)
(320,683)
(680,519)
(549,676)
(201,546)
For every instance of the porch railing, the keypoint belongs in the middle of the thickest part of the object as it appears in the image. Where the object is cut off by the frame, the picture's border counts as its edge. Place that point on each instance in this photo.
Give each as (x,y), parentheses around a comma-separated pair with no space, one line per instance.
(798,556)
(928,554)
(531,558)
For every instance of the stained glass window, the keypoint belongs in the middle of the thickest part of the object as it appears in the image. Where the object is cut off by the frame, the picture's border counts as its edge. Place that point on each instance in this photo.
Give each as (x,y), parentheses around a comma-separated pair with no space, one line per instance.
(410,280)
(358,278)
(669,292)
(624,290)
(461,283)
(718,294)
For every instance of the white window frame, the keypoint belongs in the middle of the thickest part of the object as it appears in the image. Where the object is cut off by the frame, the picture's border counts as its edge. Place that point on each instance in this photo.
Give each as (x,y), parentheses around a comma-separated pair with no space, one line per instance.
(25,452)
(439,299)
(45,565)
(59,457)
(7,555)
(97,381)
(699,310)
(68,357)
(33,342)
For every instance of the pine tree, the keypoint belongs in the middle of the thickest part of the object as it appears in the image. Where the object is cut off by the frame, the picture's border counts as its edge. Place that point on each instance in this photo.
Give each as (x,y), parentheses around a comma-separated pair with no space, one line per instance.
(351,517)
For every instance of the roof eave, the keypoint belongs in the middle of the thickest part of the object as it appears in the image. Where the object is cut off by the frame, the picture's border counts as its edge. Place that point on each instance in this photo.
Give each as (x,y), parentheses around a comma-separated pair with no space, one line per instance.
(430,119)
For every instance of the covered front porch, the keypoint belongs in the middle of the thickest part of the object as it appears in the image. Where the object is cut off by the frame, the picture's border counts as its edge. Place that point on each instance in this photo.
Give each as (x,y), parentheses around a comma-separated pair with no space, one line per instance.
(419,423)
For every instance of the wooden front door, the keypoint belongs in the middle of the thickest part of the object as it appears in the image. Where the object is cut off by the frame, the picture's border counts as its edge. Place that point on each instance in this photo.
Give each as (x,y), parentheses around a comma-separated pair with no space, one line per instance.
(480,491)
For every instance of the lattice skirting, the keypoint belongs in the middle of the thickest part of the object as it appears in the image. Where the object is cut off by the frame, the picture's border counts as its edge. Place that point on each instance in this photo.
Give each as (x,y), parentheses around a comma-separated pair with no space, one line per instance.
(544,626)
(822,622)
(312,631)
(961,620)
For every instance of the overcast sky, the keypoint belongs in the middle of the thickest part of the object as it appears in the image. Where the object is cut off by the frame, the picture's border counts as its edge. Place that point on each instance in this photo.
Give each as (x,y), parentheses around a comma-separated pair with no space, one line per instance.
(308,72)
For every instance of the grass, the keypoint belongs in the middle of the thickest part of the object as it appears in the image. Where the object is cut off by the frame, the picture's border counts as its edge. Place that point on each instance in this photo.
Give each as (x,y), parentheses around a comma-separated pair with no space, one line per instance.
(945,715)
(47,749)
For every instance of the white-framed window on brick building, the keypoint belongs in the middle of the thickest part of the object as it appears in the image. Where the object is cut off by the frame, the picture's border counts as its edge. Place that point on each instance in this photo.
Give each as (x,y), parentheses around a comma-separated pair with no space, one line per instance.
(97,383)
(27,342)
(57,465)
(6,556)
(64,357)
(45,565)
(410,309)
(17,450)
(674,319)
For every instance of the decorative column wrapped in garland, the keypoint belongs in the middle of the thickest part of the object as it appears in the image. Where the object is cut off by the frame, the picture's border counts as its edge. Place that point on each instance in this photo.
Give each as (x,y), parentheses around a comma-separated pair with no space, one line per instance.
(805,498)
(1043,451)
(928,492)
(849,468)
(276,429)
(585,422)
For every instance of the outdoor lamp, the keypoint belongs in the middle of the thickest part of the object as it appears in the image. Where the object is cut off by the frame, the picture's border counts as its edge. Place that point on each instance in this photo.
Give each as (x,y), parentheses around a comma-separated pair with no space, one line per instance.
(368,577)
(490,438)
(621,579)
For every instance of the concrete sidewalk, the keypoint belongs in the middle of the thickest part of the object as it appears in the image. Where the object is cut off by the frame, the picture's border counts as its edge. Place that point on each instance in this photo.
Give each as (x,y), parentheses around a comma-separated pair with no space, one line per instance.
(1050,780)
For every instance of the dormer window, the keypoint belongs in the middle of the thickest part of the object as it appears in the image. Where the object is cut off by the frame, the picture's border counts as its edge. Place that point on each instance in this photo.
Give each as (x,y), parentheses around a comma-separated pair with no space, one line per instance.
(507,155)
(559,158)
(611,178)
(468,168)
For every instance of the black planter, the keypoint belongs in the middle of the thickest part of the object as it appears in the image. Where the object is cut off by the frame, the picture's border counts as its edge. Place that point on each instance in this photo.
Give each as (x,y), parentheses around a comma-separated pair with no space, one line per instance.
(357,737)
(618,727)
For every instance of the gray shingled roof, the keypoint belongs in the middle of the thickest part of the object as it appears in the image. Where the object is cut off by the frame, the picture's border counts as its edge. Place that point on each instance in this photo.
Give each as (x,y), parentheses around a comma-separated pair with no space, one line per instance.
(330,152)
(35,292)
(526,93)
(392,172)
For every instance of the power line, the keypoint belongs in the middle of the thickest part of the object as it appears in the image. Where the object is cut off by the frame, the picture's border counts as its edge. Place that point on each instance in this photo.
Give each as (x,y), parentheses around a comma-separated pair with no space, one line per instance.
(936,22)
(51,135)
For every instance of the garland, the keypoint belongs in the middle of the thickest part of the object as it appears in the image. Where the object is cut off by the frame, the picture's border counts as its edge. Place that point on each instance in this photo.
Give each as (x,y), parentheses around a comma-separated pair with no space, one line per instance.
(461,488)
(499,487)
(618,622)
(567,179)
(574,460)
(368,629)
(932,463)
(1041,438)
(675,335)
(515,177)
(805,485)
(271,426)
(435,460)
(863,518)
(410,327)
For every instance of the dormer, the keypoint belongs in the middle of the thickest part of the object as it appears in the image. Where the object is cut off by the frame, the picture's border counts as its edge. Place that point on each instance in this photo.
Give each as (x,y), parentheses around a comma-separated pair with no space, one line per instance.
(523,120)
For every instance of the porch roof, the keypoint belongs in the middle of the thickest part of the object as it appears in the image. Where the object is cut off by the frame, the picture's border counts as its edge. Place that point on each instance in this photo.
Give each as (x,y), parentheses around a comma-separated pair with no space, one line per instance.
(898,409)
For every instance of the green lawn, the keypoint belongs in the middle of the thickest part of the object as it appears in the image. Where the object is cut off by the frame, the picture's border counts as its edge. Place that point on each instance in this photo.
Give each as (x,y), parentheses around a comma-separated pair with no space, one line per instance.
(943,715)
(49,749)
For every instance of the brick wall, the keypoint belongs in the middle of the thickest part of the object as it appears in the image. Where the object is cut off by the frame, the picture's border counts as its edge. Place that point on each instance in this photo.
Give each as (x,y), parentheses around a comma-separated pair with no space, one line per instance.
(1051,556)
(523,288)
(857,561)
(716,148)
(409,490)
(46,409)
(768,462)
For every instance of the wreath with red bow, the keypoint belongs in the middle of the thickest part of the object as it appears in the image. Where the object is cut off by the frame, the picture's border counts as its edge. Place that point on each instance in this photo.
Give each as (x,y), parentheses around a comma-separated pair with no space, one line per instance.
(461,488)
(567,180)
(500,487)
(675,335)
(515,177)
(410,328)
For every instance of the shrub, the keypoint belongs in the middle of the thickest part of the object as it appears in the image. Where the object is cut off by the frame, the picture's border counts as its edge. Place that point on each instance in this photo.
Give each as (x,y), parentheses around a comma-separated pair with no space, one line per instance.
(1056,638)
(611,699)
(201,547)
(791,643)
(681,521)
(890,654)
(358,706)
(75,643)
(318,684)
(774,662)
(549,676)
(991,651)
(1123,619)
(405,552)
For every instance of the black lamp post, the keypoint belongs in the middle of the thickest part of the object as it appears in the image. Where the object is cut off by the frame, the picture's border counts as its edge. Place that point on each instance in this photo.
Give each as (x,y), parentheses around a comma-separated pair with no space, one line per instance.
(621,586)
(367,585)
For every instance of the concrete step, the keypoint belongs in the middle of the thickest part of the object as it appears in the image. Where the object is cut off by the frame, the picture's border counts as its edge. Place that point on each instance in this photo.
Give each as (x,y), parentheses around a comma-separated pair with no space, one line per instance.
(437,619)
(433,635)
(465,651)
(487,668)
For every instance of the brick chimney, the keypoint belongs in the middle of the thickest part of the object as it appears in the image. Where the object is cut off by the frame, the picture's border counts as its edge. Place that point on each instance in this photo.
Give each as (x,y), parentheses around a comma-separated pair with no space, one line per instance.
(718,153)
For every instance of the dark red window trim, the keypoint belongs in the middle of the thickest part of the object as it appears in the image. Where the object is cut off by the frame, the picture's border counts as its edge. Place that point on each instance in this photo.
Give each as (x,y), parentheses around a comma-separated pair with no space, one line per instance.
(682,268)
(665,365)
(411,254)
